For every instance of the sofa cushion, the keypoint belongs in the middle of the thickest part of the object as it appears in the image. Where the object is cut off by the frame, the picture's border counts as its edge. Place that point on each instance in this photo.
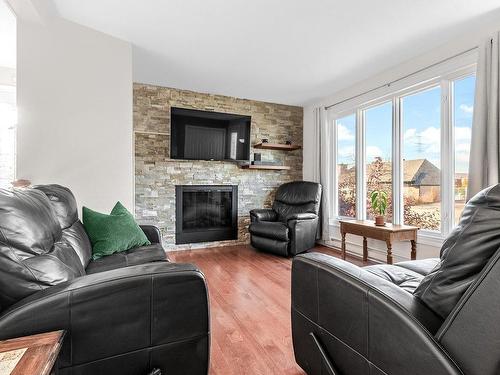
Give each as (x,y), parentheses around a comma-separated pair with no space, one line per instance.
(275,230)
(66,209)
(63,202)
(403,277)
(112,233)
(32,256)
(77,237)
(464,253)
(132,257)
(297,197)
(421,266)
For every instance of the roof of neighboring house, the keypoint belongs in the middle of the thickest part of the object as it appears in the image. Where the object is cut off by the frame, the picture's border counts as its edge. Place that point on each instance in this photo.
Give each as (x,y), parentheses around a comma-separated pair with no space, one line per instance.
(419,172)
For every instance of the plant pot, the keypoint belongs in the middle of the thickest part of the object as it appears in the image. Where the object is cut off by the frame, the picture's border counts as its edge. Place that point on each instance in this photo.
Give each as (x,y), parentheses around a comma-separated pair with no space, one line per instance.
(379,221)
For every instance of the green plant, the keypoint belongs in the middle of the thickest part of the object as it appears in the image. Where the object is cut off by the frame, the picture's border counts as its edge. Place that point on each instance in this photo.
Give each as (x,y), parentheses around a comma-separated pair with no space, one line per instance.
(379,201)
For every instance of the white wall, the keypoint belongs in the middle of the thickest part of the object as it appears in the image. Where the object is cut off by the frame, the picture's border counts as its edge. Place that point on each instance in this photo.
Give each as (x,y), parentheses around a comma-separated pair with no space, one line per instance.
(75,110)
(427,247)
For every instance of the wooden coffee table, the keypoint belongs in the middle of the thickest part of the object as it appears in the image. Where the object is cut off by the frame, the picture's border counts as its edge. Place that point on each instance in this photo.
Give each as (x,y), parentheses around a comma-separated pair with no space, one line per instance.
(388,233)
(39,352)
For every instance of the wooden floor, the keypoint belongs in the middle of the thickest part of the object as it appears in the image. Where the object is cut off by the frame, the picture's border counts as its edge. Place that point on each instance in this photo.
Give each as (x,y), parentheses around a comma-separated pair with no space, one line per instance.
(249,307)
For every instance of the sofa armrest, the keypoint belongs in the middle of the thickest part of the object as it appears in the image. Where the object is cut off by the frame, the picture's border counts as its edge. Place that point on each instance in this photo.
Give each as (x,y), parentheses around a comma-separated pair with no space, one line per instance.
(303,229)
(263,214)
(138,309)
(152,233)
(302,216)
(361,320)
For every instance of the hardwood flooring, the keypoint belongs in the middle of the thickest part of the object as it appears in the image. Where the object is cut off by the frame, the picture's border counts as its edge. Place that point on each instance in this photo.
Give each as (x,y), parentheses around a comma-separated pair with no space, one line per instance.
(250,308)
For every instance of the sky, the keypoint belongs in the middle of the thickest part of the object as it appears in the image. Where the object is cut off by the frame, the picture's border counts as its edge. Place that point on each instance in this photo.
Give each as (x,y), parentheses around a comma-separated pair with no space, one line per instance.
(421,127)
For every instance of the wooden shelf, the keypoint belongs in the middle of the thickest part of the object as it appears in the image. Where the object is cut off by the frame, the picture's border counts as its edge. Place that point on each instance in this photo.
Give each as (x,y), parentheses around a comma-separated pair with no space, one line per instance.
(269,167)
(277,146)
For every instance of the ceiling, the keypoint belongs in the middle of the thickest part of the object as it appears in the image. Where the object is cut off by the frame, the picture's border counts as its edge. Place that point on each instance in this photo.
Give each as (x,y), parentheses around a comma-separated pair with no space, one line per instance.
(286,51)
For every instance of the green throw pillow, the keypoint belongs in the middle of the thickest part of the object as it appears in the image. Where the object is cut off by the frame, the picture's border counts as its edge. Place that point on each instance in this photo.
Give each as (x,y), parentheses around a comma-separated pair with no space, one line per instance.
(112,233)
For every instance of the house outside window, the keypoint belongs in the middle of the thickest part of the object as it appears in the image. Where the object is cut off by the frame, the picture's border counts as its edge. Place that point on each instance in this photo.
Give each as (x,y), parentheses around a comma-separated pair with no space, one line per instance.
(413,144)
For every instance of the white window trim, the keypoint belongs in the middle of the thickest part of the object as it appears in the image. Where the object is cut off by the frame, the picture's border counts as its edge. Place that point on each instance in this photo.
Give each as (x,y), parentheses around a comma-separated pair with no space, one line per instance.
(427,80)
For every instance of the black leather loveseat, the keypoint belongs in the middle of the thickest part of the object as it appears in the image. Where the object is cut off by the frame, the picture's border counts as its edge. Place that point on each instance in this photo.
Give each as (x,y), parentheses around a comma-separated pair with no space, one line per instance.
(435,316)
(124,314)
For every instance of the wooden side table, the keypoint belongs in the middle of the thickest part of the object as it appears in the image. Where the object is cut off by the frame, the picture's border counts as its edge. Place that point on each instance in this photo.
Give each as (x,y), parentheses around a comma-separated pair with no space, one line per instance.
(40,355)
(388,233)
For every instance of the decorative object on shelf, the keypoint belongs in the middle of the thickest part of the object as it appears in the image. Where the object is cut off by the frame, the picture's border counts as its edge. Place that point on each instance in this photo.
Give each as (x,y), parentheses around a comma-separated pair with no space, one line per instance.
(257,156)
(379,205)
(288,143)
(265,140)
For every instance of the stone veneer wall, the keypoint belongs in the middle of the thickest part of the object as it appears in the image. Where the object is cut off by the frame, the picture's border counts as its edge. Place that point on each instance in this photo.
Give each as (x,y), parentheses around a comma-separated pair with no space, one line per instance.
(156,174)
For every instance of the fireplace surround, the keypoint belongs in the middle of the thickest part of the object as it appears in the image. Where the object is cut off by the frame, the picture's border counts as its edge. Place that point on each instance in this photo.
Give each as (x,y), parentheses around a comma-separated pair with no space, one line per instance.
(206,213)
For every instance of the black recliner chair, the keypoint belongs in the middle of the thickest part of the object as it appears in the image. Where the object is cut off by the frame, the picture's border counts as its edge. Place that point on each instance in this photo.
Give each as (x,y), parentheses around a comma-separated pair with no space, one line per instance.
(123,314)
(291,226)
(435,316)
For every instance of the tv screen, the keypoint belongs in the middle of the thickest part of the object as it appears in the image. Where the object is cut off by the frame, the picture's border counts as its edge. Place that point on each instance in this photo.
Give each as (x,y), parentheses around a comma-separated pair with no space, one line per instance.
(204,135)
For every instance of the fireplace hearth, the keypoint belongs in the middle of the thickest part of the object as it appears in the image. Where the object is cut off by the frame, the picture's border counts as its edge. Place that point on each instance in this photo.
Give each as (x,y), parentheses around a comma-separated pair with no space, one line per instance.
(206,213)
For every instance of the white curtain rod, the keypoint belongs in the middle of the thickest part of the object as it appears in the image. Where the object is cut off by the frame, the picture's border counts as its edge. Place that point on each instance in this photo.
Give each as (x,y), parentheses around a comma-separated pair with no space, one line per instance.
(401,78)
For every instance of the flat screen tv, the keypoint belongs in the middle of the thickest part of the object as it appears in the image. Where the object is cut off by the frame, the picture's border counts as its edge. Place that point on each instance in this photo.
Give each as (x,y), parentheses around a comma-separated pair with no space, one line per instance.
(204,135)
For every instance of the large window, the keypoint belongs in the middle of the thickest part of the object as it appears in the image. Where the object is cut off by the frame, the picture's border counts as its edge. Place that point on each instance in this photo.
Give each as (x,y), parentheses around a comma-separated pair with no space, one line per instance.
(414,145)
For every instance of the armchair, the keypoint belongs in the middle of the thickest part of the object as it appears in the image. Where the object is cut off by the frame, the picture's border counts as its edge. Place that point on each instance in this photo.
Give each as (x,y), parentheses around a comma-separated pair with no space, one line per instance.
(291,226)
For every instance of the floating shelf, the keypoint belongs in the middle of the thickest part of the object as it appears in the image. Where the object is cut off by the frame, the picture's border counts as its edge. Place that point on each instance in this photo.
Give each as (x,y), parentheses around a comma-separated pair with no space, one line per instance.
(270,167)
(277,146)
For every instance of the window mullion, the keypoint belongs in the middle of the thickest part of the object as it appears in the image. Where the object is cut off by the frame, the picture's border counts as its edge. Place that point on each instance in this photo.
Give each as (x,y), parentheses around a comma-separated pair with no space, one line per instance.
(360,166)
(447,157)
(397,166)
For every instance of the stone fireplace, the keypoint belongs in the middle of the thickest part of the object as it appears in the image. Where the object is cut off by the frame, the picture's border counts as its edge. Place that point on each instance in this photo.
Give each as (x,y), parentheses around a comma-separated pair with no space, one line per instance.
(156,174)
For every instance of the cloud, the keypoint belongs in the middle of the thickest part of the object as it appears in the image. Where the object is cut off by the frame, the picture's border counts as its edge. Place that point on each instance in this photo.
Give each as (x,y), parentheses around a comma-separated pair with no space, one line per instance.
(467,108)
(344,134)
(427,141)
(347,152)
(373,151)
(462,134)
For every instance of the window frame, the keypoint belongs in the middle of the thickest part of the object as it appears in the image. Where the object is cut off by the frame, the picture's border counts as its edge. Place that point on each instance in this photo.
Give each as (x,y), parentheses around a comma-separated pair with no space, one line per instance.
(445,81)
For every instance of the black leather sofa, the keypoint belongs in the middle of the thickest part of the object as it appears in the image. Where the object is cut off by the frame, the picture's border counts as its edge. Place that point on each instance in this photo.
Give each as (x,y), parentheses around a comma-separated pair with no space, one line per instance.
(124,314)
(291,226)
(435,316)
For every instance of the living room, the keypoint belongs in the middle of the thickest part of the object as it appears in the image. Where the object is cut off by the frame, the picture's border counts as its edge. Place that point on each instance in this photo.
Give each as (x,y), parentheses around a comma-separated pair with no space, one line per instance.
(214,187)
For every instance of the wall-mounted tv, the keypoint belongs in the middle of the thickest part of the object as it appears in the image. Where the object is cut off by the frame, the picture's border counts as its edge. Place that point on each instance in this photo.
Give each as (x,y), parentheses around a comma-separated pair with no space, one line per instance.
(204,135)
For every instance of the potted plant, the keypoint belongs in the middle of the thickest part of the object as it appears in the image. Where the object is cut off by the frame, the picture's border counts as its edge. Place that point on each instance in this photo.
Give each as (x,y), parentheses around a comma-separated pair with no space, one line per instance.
(379,206)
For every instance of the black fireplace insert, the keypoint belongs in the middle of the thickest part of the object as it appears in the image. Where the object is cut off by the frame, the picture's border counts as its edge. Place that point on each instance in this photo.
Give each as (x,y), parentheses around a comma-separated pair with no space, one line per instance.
(205,213)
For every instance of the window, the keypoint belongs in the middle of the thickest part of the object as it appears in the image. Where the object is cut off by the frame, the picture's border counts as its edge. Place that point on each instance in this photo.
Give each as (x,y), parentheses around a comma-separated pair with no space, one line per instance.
(463,95)
(378,141)
(414,145)
(346,162)
(421,121)
(8,112)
